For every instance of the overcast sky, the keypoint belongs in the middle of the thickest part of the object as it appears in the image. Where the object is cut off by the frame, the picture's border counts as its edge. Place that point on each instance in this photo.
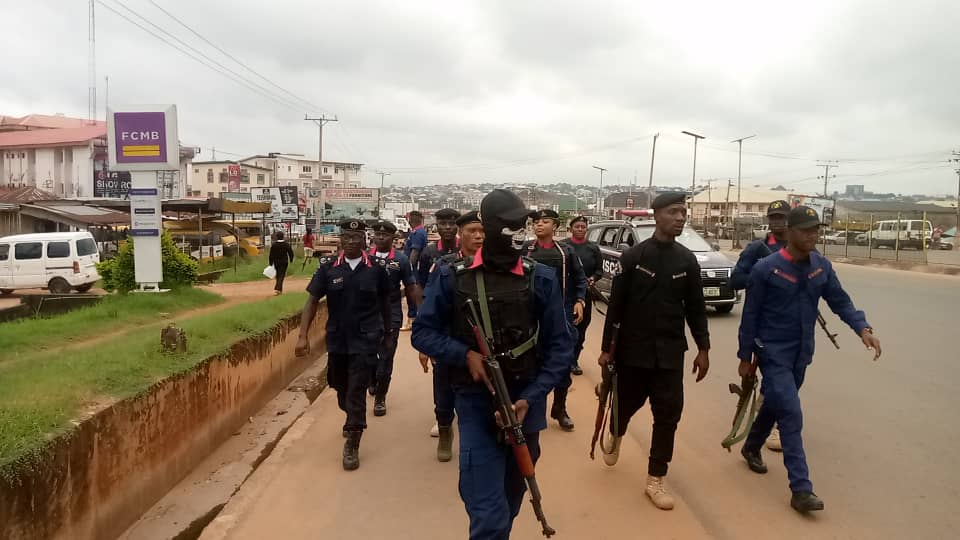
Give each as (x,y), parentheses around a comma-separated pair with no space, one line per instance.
(528,90)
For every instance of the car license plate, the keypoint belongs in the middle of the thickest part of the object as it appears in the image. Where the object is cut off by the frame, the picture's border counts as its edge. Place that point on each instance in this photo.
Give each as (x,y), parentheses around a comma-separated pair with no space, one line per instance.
(711,291)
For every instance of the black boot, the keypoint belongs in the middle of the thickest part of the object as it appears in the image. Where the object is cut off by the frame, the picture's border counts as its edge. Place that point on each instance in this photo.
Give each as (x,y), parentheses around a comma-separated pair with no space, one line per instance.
(351,451)
(559,409)
(805,501)
(380,406)
(754,460)
(445,444)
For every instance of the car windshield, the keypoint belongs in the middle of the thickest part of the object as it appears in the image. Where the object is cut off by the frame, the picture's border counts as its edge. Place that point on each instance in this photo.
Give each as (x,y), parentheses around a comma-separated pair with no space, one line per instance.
(690,238)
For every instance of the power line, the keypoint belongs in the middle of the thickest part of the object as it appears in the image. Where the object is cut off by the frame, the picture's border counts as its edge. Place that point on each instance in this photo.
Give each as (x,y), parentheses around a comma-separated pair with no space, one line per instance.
(310,105)
(234,77)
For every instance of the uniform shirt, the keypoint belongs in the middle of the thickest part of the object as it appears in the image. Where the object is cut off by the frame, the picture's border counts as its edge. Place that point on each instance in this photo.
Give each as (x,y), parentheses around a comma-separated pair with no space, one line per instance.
(416,240)
(657,289)
(561,257)
(433,329)
(356,302)
(757,250)
(431,254)
(781,307)
(399,273)
(590,259)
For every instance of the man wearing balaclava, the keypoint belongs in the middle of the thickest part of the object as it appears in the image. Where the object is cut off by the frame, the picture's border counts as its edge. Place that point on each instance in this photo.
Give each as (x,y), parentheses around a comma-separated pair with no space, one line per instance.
(522,312)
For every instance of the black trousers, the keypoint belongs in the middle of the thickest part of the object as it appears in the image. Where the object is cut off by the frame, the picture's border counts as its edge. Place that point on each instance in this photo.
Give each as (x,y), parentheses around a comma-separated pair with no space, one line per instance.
(281,273)
(664,387)
(383,372)
(349,375)
(582,329)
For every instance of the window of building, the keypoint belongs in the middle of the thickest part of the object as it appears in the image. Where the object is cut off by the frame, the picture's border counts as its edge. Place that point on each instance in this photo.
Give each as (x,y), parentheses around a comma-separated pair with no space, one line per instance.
(324,170)
(209,194)
(289,168)
(307,168)
(58,250)
(261,179)
(196,171)
(209,176)
(244,190)
(245,178)
(306,185)
(223,178)
(27,251)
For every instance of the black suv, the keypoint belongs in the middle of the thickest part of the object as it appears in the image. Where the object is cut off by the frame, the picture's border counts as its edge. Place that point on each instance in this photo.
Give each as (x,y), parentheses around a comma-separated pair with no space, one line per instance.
(614,237)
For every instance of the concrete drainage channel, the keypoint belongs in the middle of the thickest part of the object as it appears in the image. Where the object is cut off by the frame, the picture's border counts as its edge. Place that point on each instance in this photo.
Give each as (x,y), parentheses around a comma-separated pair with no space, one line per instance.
(162,463)
(189,507)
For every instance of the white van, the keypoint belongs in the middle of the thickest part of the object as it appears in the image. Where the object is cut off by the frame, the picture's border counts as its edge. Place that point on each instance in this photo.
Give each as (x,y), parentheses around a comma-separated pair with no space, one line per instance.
(56,261)
(911,233)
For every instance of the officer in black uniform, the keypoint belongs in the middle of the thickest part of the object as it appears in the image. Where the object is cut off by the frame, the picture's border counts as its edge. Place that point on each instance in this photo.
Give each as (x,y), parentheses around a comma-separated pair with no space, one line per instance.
(658,288)
(358,318)
(400,273)
(564,261)
(524,314)
(590,259)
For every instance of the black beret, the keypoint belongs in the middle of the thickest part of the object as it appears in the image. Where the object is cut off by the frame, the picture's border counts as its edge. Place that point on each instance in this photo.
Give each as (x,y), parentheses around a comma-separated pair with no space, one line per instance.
(352,224)
(446,213)
(803,217)
(546,213)
(666,199)
(780,207)
(384,226)
(578,219)
(470,217)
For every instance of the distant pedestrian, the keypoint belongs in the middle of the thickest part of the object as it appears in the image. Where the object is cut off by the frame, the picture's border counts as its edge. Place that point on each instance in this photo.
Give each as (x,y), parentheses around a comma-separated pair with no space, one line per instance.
(280,256)
(413,246)
(308,242)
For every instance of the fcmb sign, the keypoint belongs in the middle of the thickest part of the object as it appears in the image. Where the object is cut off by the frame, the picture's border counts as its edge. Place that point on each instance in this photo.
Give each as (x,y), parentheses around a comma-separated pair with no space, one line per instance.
(143,138)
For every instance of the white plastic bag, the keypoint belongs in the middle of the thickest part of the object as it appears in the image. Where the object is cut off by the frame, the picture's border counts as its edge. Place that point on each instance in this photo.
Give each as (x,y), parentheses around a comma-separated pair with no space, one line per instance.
(270,272)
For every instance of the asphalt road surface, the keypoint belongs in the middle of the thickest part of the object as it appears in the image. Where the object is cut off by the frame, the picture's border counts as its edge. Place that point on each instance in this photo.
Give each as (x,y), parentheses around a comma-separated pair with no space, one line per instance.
(881,441)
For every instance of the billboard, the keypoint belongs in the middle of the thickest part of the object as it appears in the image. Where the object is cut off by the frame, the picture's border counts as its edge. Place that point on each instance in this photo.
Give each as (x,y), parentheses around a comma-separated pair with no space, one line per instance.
(233,177)
(143,138)
(351,202)
(112,184)
(283,202)
(823,206)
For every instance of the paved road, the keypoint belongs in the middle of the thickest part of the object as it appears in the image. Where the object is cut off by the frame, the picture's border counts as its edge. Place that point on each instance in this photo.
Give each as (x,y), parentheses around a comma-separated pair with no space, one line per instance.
(880,437)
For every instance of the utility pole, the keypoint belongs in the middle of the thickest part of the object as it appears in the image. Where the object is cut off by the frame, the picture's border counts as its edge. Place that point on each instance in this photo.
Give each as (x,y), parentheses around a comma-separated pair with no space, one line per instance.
(653,154)
(827,165)
(320,123)
(92,52)
(736,241)
(706,225)
(380,193)
(693,179)
(213,153)
(600,191)
(956,243)
(106,98)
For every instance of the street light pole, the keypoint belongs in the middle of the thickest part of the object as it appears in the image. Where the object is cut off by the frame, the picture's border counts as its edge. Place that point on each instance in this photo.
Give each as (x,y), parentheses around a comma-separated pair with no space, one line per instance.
(600,191)
(739,142)
(693,180)
(380,193)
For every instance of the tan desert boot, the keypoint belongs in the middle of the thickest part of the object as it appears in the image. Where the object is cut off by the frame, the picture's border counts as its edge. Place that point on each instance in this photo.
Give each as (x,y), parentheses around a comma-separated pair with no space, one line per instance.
(657,492)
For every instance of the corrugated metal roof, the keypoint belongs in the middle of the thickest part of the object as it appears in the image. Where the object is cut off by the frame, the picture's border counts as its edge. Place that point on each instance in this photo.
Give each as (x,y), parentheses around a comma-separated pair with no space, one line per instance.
(51,137)
(45,121)
(25,195)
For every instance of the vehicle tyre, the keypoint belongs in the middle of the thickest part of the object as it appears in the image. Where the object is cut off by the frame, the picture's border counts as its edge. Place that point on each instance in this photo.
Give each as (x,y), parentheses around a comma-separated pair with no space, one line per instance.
(875,244)
(6,292)
(58,285)
(724,308)
(84,288)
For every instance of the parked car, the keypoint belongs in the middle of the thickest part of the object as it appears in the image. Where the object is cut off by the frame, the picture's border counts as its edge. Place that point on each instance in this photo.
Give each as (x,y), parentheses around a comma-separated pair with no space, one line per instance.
(615,237)
(761,232)
(55,261)
(840,237)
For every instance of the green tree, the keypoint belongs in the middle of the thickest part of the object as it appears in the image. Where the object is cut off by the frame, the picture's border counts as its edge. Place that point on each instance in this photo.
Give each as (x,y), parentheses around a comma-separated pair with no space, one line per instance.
(179,269)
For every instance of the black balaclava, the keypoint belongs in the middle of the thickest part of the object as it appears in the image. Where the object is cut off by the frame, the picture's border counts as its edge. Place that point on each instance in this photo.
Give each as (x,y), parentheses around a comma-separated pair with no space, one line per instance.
(504,218)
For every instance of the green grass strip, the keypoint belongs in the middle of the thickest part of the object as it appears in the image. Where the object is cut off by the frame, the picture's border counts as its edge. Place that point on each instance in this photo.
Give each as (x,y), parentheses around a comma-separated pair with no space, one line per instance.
(113,313)
(251,268)
(39,396)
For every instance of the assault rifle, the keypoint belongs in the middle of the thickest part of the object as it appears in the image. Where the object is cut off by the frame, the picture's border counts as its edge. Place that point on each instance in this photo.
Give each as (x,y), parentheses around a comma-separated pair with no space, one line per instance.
(507,417)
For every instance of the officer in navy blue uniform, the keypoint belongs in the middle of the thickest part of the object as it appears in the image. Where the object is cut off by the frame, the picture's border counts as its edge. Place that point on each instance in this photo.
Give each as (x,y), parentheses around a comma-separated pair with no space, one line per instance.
(758,249)
(775,239)
(400,273)
(527,314)
(358,317)
(564,261)
(778,323)
(446,221)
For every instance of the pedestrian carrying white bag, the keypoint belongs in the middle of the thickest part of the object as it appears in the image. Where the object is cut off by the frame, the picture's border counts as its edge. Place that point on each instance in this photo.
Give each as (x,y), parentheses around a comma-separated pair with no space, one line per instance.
(270,272)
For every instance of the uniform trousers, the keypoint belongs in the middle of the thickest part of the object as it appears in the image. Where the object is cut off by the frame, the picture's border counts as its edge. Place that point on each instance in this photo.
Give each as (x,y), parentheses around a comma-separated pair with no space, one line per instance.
(443,397)
(349,375)
(491,485)
(567,380)
(582,329)
(664,388)
(383,373)
(780,386)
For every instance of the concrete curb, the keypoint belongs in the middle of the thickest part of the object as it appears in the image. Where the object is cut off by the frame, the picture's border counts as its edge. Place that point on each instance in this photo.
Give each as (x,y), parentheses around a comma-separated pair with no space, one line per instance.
(908,266)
